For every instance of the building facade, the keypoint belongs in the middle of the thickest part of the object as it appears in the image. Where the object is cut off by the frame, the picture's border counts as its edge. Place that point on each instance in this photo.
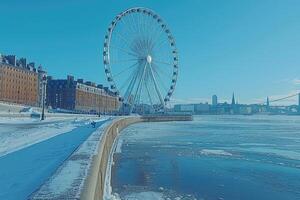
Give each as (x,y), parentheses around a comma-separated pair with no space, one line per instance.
(80,97)
(18,84)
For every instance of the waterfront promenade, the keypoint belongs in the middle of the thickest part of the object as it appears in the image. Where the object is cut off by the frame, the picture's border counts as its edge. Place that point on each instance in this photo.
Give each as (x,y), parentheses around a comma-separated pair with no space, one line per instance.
(68,165)
(36,159)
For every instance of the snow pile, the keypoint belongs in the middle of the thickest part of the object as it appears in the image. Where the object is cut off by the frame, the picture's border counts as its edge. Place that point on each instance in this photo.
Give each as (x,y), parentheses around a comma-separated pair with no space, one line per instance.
(68,180)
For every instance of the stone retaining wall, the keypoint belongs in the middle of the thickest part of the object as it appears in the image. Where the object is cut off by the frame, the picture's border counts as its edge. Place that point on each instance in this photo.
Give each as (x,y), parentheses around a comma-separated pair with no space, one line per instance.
(94,184)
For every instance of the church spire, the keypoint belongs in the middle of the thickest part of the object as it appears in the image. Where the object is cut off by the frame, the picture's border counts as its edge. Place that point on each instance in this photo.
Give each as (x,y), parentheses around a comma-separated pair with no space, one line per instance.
(233,99)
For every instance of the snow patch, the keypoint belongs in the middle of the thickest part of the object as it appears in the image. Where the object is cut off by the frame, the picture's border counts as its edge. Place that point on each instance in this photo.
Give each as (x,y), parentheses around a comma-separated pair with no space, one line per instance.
(119,146)
(215,152)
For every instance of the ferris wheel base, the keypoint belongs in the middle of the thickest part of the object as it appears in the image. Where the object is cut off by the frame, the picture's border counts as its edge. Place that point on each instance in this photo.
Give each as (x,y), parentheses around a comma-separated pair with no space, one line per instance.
(141,109)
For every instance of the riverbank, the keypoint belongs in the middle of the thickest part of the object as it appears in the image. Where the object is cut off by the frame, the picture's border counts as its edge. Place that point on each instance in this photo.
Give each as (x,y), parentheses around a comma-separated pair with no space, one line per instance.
(95,184)
(93,188)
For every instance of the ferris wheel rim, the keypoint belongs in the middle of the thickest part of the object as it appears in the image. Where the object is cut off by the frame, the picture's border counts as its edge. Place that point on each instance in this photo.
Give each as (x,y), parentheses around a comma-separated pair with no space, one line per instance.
(171,41)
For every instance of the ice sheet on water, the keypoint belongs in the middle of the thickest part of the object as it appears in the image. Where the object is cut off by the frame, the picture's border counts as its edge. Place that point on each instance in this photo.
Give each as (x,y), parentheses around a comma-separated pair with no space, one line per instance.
(279,152)
(145,196)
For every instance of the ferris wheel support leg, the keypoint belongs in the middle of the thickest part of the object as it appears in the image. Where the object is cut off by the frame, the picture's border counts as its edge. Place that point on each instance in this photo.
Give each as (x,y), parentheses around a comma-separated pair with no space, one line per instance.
(148,92)
(131,86)
(137,89)
(156,87)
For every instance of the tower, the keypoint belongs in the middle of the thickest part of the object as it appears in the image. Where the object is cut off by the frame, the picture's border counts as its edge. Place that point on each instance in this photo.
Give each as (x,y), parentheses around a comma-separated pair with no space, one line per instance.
(233,100)
(268,102)
(214,100)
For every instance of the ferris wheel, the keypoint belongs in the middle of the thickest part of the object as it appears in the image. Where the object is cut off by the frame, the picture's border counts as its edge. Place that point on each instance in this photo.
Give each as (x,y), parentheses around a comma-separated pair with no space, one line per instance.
(140,59)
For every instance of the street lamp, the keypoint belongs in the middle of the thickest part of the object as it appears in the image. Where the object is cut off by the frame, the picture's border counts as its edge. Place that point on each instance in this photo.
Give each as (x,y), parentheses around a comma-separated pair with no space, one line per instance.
(44,81)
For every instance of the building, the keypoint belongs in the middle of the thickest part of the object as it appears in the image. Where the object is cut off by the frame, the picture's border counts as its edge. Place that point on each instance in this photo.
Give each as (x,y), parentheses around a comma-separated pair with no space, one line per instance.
(245,110)
(201,108)
(10,59)
(18,84)
(80,96)
(214,100)
(21,62)
(19,81)
(184,108)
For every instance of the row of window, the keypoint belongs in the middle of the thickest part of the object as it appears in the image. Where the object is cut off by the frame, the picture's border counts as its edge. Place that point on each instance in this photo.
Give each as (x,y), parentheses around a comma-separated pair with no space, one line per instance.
(12,69)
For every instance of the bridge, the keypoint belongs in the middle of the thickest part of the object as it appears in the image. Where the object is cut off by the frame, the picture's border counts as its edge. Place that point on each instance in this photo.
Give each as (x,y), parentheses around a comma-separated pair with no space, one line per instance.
(268,101)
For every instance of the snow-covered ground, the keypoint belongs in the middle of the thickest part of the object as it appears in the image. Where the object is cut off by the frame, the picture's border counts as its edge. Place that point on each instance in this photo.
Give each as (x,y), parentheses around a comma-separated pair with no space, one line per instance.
(17,133)
(68,180)
(42,150)
(10,107)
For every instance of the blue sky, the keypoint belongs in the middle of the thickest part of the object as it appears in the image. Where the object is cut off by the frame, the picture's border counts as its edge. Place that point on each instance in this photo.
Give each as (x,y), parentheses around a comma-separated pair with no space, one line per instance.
(249,47)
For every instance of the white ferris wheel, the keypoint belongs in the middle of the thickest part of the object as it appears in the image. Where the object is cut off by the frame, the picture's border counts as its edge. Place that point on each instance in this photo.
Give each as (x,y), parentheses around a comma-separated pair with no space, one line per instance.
(140,59)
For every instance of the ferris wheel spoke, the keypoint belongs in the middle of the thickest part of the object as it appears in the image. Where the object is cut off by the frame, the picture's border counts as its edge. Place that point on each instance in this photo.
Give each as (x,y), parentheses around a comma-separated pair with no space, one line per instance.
(125,51)
(144,26)
(134,23)
(162,62)
(123,39)
(162,71)
(123,61)
(160,80)
(128,26)
(138,48)
(157,37)
(128,68)
(159,44)
(140,25)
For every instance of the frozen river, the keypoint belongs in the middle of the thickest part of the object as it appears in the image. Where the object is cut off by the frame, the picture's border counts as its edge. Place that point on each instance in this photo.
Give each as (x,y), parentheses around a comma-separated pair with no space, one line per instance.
(210,158)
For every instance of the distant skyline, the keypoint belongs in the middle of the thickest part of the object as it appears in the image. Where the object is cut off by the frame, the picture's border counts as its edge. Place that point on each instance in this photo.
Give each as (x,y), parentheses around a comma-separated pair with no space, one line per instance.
(250,48)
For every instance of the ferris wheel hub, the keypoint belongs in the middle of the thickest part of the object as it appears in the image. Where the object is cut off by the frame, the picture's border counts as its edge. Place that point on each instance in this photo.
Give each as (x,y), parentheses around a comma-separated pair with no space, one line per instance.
(149,59)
